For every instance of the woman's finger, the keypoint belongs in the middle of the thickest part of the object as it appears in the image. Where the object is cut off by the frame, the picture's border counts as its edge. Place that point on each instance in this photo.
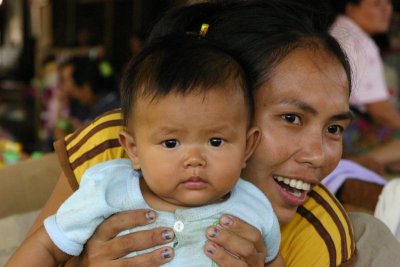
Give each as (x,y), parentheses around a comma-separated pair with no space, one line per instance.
(105,248)
(123,221)
(125,244)
(242,229)
(240,239)
(155,258)
(223,257)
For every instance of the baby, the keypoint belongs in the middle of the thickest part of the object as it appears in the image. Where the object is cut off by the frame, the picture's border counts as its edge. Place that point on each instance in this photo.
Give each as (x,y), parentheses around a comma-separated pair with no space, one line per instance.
(188,113)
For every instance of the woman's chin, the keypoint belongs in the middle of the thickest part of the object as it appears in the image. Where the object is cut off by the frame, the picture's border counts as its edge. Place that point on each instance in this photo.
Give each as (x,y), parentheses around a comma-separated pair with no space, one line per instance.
(285,215)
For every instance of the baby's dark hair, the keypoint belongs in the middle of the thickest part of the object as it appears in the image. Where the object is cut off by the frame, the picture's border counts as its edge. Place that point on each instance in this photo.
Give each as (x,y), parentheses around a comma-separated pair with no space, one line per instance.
(182,64)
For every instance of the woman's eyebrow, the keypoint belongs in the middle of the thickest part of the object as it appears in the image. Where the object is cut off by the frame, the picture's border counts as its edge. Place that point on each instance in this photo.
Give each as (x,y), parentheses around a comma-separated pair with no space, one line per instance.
(343,116)
(301,105)
(347,115)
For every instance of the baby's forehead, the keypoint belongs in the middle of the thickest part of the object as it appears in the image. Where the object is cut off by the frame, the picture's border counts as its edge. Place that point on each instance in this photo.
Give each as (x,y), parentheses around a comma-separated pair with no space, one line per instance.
(198,113)
(231,93)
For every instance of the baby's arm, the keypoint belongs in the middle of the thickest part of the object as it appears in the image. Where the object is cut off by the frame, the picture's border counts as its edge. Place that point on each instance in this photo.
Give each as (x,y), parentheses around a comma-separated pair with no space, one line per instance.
(38,250)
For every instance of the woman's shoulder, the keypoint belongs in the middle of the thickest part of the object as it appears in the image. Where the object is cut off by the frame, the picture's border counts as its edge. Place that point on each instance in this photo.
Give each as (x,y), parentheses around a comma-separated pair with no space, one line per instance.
(95,142)
(320,234)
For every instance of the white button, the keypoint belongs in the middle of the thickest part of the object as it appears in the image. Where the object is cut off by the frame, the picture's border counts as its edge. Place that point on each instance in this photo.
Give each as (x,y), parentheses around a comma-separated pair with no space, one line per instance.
(178,226)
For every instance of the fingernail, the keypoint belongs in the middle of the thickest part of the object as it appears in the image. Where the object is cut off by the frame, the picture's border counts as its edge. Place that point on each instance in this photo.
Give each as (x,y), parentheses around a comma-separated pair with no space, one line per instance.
(227,220)
(165,254)
(167,235)
(212,232)
(211,249)
(150,215)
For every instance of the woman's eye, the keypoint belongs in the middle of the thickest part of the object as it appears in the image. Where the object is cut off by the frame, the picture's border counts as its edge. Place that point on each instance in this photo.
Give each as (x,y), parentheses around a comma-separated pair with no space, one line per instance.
(217,142)
(170,143)
(335,129)
(291,118)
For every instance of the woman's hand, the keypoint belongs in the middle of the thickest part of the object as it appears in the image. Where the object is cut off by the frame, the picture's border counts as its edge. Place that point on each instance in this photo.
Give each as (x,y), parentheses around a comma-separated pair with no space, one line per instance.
(105,249)
(235,243)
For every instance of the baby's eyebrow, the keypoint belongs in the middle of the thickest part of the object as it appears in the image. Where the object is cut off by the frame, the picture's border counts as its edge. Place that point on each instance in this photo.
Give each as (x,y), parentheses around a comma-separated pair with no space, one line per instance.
(167,130)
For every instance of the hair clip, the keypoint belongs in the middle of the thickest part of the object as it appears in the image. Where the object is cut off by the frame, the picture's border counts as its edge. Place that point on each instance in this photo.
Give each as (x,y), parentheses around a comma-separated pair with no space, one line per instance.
(204,29)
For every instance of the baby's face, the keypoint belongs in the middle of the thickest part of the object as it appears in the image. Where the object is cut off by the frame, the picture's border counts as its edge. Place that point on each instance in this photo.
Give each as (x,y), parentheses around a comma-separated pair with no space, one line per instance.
(190,149)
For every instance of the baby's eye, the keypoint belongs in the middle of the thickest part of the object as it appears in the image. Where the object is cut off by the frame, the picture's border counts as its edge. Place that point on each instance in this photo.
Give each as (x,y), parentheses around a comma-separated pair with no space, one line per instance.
(335,129)
(291,118)
(216,142)
(171,143)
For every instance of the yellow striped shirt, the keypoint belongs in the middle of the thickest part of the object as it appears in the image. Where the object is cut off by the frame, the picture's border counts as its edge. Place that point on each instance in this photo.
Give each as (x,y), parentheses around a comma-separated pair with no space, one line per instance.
(320,234)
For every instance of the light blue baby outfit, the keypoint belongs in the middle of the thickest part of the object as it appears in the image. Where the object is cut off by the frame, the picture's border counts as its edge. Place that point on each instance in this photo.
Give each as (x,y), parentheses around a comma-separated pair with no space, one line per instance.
(113,186)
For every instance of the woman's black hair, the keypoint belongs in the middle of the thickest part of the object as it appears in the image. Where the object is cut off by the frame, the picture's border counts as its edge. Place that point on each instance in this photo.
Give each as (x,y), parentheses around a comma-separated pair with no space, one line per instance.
(260,33)
(99,74)
(181,64)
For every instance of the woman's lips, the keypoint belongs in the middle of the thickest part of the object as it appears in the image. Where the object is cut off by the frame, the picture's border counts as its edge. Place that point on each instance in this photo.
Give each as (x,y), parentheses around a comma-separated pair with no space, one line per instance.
(293,191)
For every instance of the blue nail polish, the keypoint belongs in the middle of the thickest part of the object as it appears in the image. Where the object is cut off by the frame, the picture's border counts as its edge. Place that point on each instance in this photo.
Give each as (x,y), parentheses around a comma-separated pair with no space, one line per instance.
(165,254)
(167,235)
(211,249)
(150,215)
(213,232)
(227,220)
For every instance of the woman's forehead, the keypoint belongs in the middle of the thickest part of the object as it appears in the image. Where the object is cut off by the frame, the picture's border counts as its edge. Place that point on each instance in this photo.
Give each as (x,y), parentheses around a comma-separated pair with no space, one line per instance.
(306,74)
(309,66)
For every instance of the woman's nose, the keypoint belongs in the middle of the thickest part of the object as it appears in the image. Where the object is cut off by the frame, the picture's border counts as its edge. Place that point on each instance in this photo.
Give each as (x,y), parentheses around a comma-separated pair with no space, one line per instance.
(312,151)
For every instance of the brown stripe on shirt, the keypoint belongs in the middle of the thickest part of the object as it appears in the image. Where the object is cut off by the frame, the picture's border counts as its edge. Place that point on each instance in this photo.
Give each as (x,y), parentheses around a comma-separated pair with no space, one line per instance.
(305,213)
(317,197)
(92,132)
(110,143)
(63,158)
(77,132)
(344,213)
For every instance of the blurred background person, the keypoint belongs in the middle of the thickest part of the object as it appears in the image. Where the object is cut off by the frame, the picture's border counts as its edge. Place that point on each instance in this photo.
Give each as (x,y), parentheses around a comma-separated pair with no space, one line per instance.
(88,89)
(136,42)
(374,136)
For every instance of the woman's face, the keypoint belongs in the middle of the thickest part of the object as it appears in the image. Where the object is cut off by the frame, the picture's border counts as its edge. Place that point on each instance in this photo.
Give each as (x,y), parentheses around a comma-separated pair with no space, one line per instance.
(302,111)
(373,16)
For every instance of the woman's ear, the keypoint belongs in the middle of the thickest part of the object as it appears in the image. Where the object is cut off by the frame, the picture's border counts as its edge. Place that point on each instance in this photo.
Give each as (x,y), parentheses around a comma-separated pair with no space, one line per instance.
(252,140)
(128,143)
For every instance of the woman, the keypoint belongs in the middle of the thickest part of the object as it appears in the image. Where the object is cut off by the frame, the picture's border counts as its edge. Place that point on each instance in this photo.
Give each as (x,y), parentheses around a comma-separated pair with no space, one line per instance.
(376,131)
(293,67)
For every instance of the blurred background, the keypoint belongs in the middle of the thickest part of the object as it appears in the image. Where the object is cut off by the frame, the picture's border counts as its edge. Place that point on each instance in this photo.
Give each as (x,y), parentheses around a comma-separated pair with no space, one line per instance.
(38,37)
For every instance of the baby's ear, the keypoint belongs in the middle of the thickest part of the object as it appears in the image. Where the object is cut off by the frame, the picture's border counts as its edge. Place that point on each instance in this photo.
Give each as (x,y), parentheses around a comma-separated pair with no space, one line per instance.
(128,143)
(252,141)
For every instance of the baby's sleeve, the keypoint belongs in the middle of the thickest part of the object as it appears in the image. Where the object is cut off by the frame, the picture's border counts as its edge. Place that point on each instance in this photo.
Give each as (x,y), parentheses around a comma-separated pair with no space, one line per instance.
(272,238)
(256,209)
(78,217)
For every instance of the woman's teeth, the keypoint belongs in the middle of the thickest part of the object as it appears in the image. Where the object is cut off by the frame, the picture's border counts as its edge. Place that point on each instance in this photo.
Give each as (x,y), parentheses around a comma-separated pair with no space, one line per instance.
(297,184)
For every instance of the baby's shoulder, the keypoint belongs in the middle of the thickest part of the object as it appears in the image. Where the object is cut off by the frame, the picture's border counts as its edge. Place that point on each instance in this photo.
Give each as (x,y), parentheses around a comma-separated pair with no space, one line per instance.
(108,171)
